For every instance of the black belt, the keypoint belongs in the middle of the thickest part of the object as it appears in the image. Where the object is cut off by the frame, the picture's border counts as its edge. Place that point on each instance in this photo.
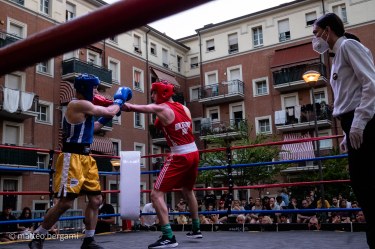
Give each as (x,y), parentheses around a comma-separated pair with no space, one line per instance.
(345,115)
(83,149)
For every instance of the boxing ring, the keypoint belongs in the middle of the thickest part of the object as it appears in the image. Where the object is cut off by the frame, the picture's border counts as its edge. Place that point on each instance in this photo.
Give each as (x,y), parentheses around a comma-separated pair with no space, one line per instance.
(237,236)
(231,235)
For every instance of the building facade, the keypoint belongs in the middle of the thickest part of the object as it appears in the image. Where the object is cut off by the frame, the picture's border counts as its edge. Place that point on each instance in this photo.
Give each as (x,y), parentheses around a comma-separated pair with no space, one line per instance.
(243,72)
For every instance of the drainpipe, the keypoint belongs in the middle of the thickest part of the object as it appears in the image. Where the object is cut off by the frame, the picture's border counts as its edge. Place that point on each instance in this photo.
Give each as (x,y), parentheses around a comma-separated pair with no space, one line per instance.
(201,76)
(149,150)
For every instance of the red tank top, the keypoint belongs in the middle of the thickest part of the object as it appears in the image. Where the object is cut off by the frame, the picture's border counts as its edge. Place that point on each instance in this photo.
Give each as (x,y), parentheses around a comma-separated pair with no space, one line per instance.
(179,132)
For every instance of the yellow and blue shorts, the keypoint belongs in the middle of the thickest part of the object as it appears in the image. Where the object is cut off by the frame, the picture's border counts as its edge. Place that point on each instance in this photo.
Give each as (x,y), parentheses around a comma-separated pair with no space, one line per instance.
(76,174)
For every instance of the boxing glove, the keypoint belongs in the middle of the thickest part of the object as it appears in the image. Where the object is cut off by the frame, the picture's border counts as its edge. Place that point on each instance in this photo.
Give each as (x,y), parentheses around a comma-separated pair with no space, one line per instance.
(101,100)
(104,120)
(122,95)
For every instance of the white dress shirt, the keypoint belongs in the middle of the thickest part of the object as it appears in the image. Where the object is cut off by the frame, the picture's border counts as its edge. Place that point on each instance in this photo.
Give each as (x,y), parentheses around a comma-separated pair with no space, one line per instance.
(353,81)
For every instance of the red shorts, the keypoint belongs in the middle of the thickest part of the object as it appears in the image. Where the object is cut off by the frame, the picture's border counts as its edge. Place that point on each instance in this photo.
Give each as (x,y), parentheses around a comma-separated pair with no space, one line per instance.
(179,170)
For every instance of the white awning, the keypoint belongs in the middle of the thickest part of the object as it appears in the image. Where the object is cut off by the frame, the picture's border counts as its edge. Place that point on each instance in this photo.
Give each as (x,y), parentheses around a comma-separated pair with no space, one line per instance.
(295,151)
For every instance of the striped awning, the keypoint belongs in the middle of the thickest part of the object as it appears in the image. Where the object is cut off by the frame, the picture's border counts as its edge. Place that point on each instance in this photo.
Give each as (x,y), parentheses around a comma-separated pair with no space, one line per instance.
(67,92)
(295,151)
(102,145)
(163,76)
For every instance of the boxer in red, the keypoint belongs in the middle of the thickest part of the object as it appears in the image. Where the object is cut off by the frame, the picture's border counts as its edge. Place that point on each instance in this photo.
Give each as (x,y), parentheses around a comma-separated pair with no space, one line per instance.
(180,168)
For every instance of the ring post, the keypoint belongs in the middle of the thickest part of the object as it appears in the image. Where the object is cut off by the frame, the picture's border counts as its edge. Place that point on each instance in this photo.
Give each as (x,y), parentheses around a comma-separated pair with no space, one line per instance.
(130,180)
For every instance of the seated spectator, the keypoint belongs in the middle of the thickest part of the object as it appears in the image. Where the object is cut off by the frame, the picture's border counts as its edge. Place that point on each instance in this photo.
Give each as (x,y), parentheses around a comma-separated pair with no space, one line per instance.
(255,216)
(305,216)
(7,229)
(335,218)
(293,204)
(320,202)
(209,198)
(104,224)
(241,219)
(181,205)
(360,217)
(25,227)
(345,215)
(314,224)
(148,222)
(250,204)
(266,220)
(202,219)
(283,218)
(216,220)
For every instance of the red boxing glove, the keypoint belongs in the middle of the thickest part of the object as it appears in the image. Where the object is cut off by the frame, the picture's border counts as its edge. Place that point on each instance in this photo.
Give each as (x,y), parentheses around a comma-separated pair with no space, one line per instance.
(102,101)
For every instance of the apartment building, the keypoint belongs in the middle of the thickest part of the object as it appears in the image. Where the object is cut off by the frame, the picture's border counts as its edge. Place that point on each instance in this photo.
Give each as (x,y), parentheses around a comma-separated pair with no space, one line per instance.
(244,72)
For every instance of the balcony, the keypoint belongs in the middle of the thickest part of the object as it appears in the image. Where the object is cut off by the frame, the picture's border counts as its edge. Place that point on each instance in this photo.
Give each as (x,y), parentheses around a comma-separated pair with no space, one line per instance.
(17,105)
(72,67)
(157,136)
(224,92)
(297,118)
(7,39)
(290,78)
(232,129)
(18,157)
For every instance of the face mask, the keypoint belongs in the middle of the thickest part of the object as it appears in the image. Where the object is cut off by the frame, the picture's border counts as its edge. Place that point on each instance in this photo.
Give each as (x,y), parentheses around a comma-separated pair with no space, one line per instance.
(320,45)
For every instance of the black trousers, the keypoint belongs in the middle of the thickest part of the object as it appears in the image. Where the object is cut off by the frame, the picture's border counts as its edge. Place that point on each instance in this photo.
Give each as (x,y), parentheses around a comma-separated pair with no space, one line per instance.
(362,172)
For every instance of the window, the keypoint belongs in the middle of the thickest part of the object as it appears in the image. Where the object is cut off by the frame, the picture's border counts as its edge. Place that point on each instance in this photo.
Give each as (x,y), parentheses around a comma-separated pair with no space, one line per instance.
(21,2)
(213,113)
(260,87)
(153,49)
(93,58)
(116,146)
(15,81)
(139,120)
(263,125)
(12,133)
(210,44)
(340,10)
(70,11)
(138,80)
(233,43)
(197,125)
(194,62)
(165,58)
(137,44)
(194,93)
(45,67)
(284,30)
(114,66)
(179,60)
(70,55)
(13,184)
(113,39)
(16,28)
(326,143)
(42,160)
(44,110)
(140,147)
(44,6)
(257,36)
(310,18)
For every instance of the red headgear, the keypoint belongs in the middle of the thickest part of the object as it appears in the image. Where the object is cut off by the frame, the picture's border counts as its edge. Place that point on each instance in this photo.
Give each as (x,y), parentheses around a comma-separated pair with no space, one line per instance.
(164,91)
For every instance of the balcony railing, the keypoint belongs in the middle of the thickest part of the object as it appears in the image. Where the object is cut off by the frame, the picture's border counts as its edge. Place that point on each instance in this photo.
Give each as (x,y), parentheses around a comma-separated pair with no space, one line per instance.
(290,78)
(25,108)
(72,67)
(18,157)
(224,92)
(234,128)
(157,135)
(7,39)
(302,117)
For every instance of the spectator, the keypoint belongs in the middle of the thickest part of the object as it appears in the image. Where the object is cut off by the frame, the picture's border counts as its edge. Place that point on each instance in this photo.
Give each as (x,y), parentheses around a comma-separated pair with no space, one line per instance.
(293,204)
(217,220)
(241,219)
(254,217)
(345,215)
(181,205)
(285,196)
(335,202)
(202,218)
(250,204)
(306,216)
(104,223)
(266,220)
(209,198)
(280,202)
(148,222)
(6,229)
(284,218)
(274,206)
(360,217)
(314,224)
(320,201)
(25,227)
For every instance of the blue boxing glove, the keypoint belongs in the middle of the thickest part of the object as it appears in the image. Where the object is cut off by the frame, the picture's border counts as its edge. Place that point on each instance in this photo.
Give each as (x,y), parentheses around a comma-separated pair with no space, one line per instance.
(122,95)
(104,120)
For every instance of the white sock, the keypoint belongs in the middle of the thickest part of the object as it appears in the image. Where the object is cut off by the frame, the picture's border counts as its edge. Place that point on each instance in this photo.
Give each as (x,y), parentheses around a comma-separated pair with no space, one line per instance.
(89,233)
(41,230)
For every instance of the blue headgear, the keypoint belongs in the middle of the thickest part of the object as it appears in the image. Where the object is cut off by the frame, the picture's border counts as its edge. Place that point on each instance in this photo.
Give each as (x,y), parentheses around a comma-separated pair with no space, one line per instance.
(84,84)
